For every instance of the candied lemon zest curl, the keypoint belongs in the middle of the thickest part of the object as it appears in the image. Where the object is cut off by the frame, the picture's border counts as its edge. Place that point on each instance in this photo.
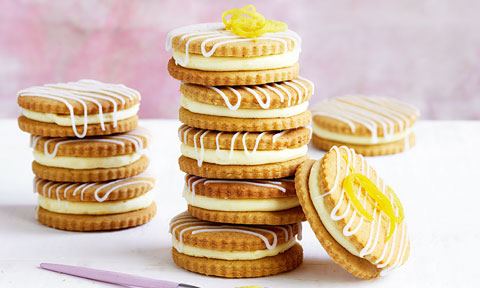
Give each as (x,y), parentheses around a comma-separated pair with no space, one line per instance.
(247,22)
(381,201)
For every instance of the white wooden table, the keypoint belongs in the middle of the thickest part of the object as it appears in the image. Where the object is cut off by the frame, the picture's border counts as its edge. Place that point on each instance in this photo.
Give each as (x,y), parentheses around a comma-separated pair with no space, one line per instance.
(438,182)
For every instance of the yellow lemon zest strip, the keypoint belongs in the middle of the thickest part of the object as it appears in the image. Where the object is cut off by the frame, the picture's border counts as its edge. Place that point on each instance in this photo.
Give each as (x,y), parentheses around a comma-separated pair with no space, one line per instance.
(348,185)
(401,214)
(247,22)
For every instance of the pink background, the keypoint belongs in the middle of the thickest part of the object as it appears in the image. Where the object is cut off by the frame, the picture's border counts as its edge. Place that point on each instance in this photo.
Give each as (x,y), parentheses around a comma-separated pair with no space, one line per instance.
(424,52)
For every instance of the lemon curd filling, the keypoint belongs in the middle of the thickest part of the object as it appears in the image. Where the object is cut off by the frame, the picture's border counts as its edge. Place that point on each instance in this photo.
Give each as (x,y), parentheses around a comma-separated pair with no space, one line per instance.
(233,255)
(207,109)
(96,208)
(199,62)
(66,120)
(361,140)
(86,162)
(239,157)
(220,204)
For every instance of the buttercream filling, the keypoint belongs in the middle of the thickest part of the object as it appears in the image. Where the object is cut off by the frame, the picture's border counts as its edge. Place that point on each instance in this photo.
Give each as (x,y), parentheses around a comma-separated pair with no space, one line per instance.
(199,62)
(86,162)
(239,157)
(207,109)
(324,215)
(96,208)
(221,204)
(66,120)
(361,140)
(234,255)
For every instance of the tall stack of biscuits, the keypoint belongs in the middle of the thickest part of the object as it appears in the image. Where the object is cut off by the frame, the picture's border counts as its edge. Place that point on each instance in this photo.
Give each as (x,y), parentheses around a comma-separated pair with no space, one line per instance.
(245,116)
(88,155)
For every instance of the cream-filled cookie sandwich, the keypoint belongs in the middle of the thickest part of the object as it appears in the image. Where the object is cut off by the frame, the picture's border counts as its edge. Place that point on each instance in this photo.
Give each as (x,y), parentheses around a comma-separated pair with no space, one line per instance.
(78,109)
(92,159)
(95,206)
(371,125)
(234,251)
(258,202)
(220,54)
(357,218)
(274,106)
(242,155)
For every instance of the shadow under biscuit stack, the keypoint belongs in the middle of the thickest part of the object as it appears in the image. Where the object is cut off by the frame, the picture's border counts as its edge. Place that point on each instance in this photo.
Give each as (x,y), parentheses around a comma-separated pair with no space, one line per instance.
(245,132)
(88,155)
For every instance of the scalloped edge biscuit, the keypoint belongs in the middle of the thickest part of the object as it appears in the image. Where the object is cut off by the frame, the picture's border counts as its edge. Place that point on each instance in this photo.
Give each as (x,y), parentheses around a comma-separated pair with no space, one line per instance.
(83,223)
(248,100)
(292,138)
(286,261)
(232,78)
(228,124)
(265,171)
(289,216)
(357,266)
(90,175)
(237,190)
(368,150)
(94,148)
(54,130)
(52,189)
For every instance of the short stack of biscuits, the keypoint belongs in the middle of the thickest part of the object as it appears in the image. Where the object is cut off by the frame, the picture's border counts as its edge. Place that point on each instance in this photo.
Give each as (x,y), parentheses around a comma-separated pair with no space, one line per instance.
(88,155)
(245,116)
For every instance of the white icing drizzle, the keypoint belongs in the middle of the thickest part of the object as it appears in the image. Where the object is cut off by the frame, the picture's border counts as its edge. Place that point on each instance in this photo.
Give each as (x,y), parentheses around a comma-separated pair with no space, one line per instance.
(388,251)
(107,187)
(274,87)
(184,129)
(216,32)
(198,226)
(369,112)
(206,181)
(133,137)
(84,91)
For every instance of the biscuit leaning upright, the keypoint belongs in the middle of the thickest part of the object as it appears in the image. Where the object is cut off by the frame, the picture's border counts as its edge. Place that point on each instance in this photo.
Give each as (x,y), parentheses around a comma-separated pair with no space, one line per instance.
(91,178)
(356,217)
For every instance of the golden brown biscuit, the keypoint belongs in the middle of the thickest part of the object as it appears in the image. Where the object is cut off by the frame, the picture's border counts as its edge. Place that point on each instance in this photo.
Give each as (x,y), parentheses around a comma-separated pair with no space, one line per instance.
(229,124)
(364,122)
(123,189)
(353,234)
(96,222)
(219,244)
(54,130)
(95,146)
(69,103)
(233,189)
(368,150)
(282,217)
(264,171)
(90,175)
(269,96)
(271,140)
(232,78)
(284,262)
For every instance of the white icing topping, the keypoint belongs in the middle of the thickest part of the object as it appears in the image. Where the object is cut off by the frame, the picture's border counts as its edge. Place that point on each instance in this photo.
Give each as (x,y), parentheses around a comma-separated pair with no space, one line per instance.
(274,87)
(105,188)
(216,31)
(84,91)
(369,112)
(198,226)
(184,129)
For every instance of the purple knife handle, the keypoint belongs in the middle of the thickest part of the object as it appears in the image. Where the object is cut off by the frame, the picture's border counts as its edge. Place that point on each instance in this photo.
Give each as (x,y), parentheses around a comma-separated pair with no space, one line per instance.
(109,276)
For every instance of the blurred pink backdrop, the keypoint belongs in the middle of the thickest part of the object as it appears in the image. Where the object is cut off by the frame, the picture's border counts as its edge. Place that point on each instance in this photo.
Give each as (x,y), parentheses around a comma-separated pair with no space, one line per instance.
(424,52)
